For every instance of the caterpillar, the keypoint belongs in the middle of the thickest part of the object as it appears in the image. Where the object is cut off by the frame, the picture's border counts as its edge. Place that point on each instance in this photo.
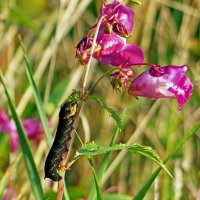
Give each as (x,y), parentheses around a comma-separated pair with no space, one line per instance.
(67,115)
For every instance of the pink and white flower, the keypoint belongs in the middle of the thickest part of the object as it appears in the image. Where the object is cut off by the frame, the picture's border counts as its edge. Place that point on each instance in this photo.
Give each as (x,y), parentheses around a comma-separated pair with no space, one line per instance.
(163,82)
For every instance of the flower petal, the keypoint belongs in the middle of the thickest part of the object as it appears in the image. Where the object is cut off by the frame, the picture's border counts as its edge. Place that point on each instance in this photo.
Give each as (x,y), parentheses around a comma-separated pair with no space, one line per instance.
(128,55)
(33,127)
(163,82)
(119,13)
(110,43)
(131,54)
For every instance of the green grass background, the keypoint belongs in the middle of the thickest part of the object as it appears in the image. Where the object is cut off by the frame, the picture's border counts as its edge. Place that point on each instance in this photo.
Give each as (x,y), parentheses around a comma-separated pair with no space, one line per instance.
(168,31)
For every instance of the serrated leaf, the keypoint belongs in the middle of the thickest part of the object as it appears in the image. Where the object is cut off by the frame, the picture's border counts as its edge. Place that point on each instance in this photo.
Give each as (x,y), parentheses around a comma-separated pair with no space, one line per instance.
(149,153)
(141,194)
(92,149)
(136,1)
(111,112)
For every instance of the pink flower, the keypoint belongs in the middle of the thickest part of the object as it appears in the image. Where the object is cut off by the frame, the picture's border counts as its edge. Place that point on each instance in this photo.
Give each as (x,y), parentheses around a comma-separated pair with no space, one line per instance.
(111,43)
(108,45)
(32,127)
(125,56)
(163,82)
(118,16)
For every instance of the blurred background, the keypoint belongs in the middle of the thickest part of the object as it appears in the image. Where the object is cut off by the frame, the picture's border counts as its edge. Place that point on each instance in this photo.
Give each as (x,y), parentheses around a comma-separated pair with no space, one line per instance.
(168,31)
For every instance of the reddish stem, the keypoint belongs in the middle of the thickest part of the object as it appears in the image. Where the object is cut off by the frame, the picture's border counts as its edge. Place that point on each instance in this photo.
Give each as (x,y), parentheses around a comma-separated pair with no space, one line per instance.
(60,189)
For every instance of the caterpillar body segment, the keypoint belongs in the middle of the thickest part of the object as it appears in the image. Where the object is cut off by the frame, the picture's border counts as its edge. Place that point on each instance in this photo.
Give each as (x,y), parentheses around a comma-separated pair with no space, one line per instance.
(65,127)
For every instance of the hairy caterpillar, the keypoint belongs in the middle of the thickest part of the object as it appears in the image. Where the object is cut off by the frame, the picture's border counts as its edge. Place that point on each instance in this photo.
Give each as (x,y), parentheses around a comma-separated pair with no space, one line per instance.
(67,114)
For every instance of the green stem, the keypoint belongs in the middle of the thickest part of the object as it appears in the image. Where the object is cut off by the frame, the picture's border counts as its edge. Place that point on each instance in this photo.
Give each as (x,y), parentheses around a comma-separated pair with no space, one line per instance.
(97,82)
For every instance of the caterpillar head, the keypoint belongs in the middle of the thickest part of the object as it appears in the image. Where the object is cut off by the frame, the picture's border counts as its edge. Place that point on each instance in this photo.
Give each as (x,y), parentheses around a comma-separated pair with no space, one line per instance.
(68,109)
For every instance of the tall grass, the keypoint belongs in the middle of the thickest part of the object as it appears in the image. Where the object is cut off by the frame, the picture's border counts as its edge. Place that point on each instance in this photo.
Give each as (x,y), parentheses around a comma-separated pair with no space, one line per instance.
(168,31)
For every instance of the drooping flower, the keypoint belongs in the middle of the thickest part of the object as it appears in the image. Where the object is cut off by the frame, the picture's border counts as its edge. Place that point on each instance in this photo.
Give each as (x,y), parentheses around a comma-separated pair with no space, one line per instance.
(163,82)
(32,128)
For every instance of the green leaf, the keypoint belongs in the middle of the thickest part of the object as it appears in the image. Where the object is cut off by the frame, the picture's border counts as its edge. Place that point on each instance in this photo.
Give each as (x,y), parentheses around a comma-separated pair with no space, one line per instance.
(28,156)
(98,190)
(141,194)
(4,161)
(136,1)
(111,112)
(105,161)
(92,149)
(38,99)
(99,195)
(149,153)
(4,152)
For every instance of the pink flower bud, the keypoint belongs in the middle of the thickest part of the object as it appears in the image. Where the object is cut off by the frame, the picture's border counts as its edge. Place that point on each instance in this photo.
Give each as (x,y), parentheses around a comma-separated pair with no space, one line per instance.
(83,49)
(121,78)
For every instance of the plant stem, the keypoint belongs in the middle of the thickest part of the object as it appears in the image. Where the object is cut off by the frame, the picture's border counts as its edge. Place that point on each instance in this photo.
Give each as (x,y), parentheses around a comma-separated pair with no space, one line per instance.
(60,190)
(85,77)
(61,182)
(97,82)
(87,67)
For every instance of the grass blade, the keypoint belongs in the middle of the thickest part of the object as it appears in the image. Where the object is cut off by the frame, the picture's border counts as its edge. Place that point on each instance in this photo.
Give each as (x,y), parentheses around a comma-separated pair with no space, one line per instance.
(105,161)
(141,194)
(37,96)
(103,166)
(27,155)
(98,190)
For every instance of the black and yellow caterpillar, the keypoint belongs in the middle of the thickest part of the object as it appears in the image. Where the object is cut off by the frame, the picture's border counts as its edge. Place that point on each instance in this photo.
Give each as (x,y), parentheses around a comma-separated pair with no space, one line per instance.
(65,127)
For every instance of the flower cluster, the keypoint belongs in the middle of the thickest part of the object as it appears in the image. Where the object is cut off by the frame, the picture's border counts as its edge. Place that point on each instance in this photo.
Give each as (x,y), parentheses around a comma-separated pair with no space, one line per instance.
(112,49)
(111,43)
(32,127)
